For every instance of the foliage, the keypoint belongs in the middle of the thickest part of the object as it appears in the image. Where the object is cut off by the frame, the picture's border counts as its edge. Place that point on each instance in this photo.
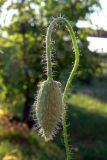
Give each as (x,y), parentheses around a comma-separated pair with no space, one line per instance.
(25,146)
(22,48)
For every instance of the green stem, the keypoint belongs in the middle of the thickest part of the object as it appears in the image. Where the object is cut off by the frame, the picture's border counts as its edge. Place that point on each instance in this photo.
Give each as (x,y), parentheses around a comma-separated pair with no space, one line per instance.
(49,71)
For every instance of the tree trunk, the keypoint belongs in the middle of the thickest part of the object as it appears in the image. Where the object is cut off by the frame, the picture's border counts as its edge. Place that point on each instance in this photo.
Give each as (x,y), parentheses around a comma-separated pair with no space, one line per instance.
(26,109)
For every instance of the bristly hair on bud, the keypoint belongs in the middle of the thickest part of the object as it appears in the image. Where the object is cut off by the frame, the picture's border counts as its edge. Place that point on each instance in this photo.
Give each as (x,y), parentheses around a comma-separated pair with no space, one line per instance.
(50,103)
(49,108)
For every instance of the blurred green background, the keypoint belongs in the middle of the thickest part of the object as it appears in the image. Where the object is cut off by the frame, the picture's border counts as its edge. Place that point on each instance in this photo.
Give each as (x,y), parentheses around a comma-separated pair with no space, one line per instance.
(23,66)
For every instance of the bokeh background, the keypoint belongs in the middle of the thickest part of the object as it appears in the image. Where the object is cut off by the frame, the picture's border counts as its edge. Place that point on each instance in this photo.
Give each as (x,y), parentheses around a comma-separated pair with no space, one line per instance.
(23,25)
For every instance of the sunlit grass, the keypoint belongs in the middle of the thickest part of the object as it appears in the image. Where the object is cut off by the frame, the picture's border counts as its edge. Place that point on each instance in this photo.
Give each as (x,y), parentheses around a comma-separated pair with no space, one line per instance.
(89,103)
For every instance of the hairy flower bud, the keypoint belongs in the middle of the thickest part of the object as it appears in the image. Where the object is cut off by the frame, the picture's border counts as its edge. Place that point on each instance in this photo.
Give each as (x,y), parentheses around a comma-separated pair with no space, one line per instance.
(49,108)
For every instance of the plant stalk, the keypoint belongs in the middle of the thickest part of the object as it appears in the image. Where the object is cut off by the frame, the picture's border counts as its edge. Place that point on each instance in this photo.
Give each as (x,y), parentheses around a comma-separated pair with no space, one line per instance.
(72,74)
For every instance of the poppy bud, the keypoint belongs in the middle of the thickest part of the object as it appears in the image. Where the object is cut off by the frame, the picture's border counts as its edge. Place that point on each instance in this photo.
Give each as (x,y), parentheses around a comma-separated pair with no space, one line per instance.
(49,108)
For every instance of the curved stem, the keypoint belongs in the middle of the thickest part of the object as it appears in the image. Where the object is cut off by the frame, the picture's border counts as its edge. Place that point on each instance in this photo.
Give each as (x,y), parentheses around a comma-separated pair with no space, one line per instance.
(49,70)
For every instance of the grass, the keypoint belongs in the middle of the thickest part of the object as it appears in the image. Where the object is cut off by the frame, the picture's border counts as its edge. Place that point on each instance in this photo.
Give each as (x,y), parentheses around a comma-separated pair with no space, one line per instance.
(87,112)
(87,116)
(89,104)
